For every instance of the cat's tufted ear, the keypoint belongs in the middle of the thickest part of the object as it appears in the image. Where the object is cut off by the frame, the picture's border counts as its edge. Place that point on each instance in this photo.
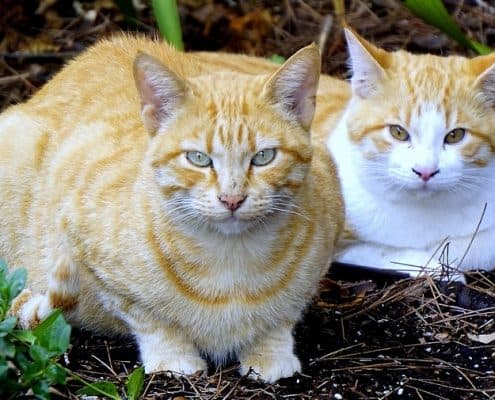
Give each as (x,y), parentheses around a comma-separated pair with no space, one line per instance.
(161,91)
(367,62)
(293,86)
(484,68)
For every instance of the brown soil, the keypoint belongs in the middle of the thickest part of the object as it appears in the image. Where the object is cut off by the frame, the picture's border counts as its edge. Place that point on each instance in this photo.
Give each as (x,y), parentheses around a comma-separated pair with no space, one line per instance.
(375,338)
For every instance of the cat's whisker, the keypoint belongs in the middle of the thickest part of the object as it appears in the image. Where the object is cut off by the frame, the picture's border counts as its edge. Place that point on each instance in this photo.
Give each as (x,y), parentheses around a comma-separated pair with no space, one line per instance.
(286,211)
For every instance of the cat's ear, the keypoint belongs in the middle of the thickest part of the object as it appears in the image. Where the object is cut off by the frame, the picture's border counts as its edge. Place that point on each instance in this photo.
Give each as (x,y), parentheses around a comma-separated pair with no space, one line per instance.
(484,68)
(161,91)
(293,86)
(367,62)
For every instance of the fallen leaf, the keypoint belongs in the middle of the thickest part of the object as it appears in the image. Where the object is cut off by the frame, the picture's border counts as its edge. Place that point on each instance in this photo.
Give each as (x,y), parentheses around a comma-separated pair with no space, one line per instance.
(485,339)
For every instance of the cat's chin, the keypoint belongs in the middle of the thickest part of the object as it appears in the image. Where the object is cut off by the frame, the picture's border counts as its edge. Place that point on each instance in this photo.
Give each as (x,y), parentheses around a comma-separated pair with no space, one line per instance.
(413,192)
(423,190)
(233,226)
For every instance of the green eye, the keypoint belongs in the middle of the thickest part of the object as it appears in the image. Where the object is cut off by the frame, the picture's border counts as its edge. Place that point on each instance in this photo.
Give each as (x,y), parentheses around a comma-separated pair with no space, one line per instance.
(455,136)
(198,159)
(399,133)
(263,157)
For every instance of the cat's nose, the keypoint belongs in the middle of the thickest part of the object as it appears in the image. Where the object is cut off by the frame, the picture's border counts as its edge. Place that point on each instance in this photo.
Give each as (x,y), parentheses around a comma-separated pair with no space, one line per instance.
(425,174)
(232,202)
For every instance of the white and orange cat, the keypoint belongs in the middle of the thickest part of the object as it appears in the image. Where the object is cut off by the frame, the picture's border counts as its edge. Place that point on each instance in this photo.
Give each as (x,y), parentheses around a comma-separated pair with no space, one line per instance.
(415,154)
(153,194)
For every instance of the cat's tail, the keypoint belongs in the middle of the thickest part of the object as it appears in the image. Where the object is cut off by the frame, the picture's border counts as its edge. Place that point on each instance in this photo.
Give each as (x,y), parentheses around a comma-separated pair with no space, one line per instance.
(62,293)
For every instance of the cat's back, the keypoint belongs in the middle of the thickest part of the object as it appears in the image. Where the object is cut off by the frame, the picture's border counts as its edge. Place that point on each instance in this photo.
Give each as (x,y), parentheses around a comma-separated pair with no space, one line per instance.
(99,83)
(80,131)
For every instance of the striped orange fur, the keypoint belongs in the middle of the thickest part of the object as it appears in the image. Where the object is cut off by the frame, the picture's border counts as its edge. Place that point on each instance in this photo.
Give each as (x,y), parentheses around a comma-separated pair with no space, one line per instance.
(106,202)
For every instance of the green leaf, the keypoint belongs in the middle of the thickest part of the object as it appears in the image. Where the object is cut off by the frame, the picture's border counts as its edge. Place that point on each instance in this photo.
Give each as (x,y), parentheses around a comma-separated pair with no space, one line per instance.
(39,353)
(32,371)
(4,368)
(167,16)
(7,348)
(56,374)
(24,336)
(22,360)
(41,389)
(54,333)
(135,384)
(106,389)
(16,282)
(434,13)
(277,59)
(7,325)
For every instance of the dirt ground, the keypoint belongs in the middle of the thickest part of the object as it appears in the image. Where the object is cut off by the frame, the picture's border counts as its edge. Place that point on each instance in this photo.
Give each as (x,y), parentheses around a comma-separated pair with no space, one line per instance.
(377,337)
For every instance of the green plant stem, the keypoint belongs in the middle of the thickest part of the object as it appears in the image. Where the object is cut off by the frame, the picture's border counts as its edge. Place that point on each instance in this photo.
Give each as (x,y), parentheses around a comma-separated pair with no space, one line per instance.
(167,16)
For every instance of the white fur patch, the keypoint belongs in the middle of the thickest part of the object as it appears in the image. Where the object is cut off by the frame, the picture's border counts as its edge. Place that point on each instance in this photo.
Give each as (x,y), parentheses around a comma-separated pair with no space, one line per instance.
(399,218)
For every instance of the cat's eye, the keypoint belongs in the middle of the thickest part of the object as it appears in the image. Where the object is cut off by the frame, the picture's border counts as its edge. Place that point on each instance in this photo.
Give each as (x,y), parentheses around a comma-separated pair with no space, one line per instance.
(399,133)
(263,157)
(198,159)
(455,136)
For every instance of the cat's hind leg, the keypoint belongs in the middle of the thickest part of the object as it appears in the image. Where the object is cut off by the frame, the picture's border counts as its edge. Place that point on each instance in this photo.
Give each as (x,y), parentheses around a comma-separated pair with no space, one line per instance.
(271,357)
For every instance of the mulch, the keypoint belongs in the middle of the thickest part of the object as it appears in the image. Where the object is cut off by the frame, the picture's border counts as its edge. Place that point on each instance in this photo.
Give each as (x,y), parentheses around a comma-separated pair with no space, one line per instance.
(375,337)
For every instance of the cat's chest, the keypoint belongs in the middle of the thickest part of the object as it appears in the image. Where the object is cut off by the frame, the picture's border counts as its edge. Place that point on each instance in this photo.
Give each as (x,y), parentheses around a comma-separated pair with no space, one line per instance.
(414,224)
(228,327)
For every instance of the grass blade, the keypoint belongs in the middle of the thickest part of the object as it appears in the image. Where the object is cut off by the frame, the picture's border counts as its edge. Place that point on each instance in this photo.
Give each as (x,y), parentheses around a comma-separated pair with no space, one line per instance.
(434,13)
(167,16)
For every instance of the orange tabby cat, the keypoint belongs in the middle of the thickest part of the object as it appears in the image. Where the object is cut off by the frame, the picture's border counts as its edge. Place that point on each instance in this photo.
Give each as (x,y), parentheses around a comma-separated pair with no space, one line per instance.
(188,209)
(415,152)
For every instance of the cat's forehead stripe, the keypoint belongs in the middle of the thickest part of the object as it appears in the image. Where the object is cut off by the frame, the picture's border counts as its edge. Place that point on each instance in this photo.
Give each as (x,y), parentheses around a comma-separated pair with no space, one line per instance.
(232,133)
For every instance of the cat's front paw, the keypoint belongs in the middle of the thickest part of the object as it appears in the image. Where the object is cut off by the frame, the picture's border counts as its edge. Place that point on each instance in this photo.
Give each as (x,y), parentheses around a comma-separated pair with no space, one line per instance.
(187,365)
(270,368)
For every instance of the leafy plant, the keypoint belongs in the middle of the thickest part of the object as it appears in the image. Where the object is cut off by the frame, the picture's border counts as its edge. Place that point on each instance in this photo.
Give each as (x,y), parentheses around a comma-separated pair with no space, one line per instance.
(434,13)
(28,358)
(134,387)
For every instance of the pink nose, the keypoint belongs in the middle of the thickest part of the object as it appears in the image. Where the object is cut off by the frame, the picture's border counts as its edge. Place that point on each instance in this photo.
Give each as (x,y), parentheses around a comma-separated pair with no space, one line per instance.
(425,174)
(232,202)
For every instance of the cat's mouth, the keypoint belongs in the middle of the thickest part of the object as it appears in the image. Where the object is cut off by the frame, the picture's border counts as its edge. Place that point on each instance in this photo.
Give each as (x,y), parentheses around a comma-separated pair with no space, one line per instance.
(232,218)
(232,225)
(425,189)
(236,223)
